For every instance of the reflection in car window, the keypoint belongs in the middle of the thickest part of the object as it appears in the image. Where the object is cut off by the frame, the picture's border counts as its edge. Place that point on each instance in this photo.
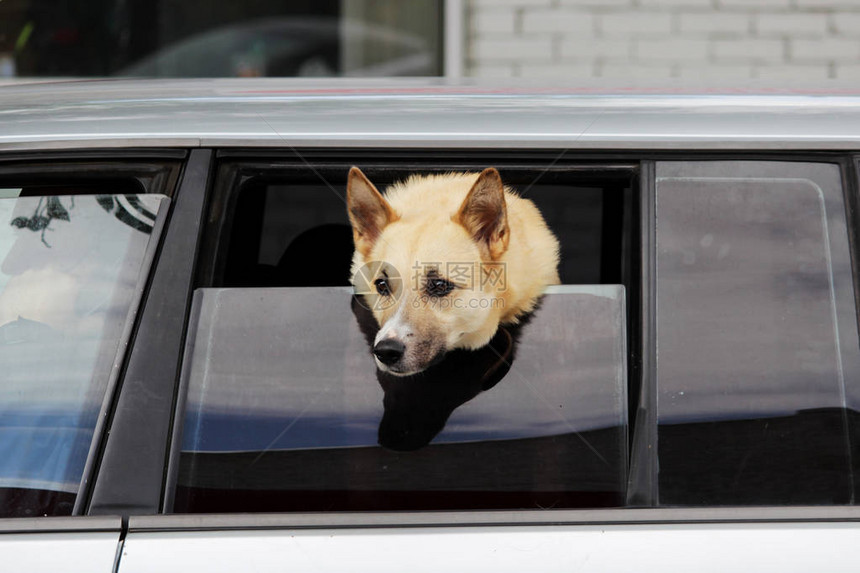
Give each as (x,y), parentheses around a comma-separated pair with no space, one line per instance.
(70,268)
(287,412)
(756,333)
(253,39)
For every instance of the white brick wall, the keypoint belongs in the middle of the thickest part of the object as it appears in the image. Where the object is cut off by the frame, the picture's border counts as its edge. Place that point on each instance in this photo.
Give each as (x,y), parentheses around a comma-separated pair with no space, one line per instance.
(724,40)
(565,22)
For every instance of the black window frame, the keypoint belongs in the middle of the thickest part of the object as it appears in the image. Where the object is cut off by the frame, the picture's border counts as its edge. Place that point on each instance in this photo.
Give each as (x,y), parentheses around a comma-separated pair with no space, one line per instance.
(155,171)
(130,470)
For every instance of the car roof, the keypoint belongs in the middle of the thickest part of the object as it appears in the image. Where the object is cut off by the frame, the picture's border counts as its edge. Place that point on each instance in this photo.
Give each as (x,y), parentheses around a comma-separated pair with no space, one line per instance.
(419,113)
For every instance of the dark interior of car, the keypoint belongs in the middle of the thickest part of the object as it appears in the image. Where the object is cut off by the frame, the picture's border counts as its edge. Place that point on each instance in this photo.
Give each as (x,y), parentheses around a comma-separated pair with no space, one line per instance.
(296,233)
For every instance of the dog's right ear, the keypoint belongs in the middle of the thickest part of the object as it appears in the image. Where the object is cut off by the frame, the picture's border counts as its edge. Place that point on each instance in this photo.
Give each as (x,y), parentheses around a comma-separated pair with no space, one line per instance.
(368,210)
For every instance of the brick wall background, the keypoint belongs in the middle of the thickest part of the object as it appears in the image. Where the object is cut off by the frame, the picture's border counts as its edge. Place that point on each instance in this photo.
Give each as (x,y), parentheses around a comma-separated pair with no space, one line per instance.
(808,40)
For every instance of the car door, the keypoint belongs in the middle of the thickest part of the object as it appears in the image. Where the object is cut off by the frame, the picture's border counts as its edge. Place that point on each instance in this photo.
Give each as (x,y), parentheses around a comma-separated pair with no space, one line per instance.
(749,403)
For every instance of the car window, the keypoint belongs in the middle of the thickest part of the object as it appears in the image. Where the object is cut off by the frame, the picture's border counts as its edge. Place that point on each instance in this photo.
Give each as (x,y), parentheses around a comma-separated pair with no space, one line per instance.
(70,270)
(757,347)
(286,411)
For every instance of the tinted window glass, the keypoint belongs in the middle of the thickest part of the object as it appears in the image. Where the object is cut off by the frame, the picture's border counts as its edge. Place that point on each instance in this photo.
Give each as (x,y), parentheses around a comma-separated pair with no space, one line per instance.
(286,411)
(195,38)
(756,334)
(70,269)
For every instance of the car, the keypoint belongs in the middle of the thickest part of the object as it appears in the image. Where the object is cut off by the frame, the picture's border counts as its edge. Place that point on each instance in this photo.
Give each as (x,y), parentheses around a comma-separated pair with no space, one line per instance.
(188,382)
(285,47)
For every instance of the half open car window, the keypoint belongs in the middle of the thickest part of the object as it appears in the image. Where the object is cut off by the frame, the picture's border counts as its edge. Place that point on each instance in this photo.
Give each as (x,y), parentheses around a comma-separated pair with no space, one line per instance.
(70,275)
(286,411)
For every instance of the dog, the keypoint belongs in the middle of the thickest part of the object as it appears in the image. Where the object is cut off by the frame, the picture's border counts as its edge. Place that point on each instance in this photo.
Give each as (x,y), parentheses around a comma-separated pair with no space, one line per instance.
(443,260)
(416,412)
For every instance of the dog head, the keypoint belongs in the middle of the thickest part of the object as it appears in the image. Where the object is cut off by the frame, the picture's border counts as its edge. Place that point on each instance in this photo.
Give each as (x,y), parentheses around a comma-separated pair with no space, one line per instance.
(428,264)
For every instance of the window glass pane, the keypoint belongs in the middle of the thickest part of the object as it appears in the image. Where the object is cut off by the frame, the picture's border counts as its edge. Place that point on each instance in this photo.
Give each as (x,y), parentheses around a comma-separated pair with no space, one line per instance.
(199,38)
(70,269)
(286,411)
(756,334)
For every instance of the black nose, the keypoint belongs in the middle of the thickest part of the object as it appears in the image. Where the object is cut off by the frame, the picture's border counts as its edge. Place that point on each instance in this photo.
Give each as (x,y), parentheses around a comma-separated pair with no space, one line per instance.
(389,351)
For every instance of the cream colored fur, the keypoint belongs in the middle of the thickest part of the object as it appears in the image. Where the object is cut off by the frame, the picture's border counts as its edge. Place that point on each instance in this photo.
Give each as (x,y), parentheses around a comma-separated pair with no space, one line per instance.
(420,225)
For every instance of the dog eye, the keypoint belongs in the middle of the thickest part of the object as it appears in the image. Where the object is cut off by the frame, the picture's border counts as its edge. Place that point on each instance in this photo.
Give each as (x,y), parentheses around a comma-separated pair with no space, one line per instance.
(439,287)
(382,287)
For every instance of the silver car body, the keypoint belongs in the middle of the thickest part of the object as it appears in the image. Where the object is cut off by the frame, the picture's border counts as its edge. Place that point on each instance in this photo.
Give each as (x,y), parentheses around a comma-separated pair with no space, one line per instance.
(426,114)
(367,113)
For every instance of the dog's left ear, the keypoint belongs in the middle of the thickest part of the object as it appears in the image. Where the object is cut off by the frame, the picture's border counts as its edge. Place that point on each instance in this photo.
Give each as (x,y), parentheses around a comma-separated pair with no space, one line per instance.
(484,213)
(368,211)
